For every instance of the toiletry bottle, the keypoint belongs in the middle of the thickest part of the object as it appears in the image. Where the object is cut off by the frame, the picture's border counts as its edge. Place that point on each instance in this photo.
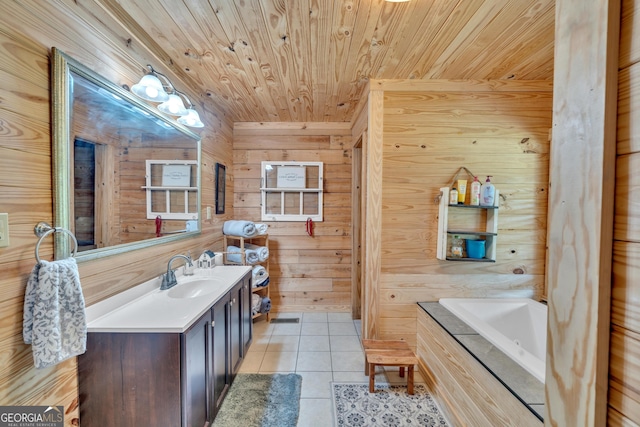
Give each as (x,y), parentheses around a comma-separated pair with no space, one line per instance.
(456,247)
(453,196)
(475,192)
(487,193)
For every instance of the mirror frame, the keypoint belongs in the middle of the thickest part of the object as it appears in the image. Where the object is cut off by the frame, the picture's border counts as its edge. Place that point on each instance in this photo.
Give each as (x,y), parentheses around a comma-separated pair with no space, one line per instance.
(61,105)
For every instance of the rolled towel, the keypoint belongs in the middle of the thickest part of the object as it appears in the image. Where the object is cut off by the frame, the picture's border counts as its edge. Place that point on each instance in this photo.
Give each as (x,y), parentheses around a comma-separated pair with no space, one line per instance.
(239,228)
(262,284)
(261,251)
(265,306)
(256,302)
(262,228)
(234,254)
(260,274)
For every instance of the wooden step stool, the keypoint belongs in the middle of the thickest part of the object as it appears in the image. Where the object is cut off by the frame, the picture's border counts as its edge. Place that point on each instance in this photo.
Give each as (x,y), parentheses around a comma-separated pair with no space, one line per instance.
(389,353)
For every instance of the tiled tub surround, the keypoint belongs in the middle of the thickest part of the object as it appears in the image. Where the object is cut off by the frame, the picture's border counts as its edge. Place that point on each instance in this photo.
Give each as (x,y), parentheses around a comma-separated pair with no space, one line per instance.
(477,382)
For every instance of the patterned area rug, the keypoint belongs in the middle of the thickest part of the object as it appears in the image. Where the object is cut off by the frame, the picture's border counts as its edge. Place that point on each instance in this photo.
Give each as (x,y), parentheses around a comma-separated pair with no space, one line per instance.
(389,406)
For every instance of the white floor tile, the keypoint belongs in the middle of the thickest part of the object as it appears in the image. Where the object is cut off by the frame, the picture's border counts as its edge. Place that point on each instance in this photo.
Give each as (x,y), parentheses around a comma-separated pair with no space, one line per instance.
(283,343)
(314,317)
(313,361)
(314,343)
(345,343)
(286,329)
(316,384)
(339,317)
(342,328)
(350,377)
(347,361)
(279,362)
(285,315)
(315,413)
(251,363)
(317,328)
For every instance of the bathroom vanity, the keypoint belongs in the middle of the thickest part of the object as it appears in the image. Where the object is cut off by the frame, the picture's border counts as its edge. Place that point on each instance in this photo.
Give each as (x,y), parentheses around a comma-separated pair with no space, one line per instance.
(166,358)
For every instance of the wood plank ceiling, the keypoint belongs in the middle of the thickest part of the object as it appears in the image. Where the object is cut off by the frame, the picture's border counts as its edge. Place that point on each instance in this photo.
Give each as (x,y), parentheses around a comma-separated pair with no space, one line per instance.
(309,60)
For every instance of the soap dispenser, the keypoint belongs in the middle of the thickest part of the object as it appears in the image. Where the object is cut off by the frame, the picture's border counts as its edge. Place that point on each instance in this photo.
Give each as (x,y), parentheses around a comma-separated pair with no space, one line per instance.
(475,191)
(487,193)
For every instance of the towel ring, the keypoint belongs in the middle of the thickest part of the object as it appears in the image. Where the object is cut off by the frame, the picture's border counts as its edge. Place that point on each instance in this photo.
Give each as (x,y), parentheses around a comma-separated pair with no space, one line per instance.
(42,230)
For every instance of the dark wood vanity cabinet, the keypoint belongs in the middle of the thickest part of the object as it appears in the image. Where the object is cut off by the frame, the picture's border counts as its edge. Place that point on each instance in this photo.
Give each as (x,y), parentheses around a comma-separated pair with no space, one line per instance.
(165,379)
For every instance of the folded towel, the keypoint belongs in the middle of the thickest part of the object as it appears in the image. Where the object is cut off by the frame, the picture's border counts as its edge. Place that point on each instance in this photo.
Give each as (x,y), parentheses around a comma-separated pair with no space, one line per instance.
(239,228)
(265,305)
(54,320)
(261,251)
(256,301)
(234,254)
(262,284)
(260,274)
(262,228)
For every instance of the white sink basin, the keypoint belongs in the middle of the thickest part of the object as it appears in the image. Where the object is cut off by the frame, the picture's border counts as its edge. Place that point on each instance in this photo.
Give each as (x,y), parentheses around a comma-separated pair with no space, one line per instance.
(195,288)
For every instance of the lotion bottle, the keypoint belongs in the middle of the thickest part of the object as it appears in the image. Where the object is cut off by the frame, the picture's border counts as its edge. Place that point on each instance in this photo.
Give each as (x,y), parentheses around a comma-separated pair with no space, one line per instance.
(487,193)
(475,192)
(453,196)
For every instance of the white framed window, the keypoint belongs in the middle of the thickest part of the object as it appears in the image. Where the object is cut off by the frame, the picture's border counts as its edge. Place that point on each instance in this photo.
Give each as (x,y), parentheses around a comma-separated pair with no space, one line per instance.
(291,191)
(172,191)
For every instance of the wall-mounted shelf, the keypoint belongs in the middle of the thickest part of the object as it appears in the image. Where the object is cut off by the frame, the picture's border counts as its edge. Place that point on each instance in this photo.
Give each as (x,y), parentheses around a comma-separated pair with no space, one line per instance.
(488,233)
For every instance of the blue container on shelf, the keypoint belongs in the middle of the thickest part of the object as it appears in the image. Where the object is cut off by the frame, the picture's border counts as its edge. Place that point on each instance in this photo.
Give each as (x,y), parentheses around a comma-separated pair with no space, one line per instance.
(476,249)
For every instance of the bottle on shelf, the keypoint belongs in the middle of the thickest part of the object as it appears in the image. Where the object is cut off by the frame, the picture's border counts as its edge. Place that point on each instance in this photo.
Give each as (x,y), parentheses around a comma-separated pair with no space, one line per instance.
(475,192)
(453,196)
(456,247)
(487,193)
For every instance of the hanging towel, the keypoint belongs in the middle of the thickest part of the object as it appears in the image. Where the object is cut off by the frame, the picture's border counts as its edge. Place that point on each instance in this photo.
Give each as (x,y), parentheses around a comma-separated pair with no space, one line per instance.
(262,228)
(239,228)
(265,305)
(234,254)
(261,251)
(260,274)
(54,320)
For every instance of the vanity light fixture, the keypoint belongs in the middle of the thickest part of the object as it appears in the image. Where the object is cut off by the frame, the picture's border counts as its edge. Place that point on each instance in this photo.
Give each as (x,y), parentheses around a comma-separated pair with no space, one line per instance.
(151,88)
(173,106)
(192,119)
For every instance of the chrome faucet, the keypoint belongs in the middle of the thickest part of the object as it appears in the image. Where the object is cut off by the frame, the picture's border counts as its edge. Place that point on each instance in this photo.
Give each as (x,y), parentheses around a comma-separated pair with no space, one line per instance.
(169,278)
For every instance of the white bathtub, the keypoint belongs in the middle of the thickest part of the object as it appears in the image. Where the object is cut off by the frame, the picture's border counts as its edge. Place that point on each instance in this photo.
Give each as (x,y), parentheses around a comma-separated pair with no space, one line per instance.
(517,326)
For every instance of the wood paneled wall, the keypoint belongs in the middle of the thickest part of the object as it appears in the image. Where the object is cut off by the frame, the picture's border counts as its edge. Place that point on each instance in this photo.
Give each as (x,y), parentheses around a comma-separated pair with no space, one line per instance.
(84,31)
(624,362)
(306,273)
(430,129)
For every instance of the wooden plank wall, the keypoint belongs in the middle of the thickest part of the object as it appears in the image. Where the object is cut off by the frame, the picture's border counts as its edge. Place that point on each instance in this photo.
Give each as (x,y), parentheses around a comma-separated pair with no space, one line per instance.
(84,31)
(624,362)
(306,273)
(432,128)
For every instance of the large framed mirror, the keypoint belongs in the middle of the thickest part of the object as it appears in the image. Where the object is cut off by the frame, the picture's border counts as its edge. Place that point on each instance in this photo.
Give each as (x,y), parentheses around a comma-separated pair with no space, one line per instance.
(104,140)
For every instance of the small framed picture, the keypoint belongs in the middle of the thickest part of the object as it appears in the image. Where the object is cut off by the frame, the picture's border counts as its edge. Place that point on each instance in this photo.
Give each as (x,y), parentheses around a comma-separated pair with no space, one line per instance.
(221,174)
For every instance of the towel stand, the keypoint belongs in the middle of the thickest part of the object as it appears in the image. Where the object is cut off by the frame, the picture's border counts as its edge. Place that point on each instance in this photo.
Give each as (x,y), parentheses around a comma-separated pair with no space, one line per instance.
(42,230)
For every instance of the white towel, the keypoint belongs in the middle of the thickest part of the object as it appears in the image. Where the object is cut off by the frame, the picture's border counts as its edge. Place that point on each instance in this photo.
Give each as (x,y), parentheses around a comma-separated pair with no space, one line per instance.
(262,228)
(234,254)
(256,301)
(260,274)
(54,320)
(261,251)
(239,228)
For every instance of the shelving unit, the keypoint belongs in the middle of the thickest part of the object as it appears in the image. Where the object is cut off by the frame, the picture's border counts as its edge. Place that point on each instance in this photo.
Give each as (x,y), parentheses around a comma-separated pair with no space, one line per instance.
(241,241)
(489,232)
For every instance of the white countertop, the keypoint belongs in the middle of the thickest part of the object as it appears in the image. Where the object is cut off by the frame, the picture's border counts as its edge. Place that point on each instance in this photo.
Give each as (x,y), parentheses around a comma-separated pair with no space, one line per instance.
(145,308)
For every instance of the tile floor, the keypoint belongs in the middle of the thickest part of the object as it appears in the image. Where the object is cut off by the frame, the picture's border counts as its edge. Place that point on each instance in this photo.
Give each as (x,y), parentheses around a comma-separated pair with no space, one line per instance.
(322,347)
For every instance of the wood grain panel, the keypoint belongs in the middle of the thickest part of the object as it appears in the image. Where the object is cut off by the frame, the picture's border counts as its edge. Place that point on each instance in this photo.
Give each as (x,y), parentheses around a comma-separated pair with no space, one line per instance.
(581,214)
(624,374)
(471,395)
(305,272)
